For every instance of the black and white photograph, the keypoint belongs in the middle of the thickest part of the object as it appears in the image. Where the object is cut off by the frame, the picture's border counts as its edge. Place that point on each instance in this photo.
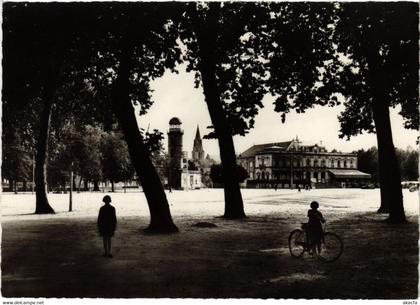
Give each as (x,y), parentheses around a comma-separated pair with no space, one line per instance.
(258,151)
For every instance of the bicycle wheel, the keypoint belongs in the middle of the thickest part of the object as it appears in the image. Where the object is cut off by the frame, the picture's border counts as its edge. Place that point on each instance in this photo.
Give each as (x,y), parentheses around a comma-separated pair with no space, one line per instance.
(296,243)
(331,247)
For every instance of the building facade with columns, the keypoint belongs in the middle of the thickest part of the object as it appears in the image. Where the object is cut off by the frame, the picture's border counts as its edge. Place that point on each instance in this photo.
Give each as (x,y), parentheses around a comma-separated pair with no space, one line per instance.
(291,164)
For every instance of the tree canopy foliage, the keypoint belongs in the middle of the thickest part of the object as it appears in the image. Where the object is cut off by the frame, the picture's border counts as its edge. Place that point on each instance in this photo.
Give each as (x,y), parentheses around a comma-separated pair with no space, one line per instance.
(380,45)
(237,67)
(298,54)
(216,173)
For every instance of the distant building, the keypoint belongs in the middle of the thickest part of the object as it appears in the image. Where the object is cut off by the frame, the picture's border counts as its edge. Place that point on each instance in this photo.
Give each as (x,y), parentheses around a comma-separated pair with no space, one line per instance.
(185,173)
(197,152)
(175,153)
(291,164)
(190,175)
(191,180)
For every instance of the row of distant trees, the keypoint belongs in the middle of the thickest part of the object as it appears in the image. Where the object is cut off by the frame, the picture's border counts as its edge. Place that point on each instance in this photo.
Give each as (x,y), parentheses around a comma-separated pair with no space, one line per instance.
(408,160)
(93,61)
(92,154)
(89,152)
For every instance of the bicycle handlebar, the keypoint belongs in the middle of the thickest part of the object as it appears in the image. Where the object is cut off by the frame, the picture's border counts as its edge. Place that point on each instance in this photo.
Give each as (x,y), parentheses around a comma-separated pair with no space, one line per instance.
(324,225)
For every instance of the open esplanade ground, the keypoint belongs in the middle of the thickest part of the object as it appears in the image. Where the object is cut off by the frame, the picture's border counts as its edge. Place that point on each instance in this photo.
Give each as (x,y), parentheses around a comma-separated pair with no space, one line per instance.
(61,255)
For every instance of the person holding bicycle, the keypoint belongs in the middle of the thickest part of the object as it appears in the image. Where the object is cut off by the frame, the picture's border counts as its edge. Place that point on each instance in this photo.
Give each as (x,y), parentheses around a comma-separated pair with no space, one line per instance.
(313,238)
(314,228)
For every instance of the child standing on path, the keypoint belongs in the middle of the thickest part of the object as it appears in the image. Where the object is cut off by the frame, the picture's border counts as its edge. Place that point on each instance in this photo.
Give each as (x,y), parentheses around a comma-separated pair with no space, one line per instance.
(107,223)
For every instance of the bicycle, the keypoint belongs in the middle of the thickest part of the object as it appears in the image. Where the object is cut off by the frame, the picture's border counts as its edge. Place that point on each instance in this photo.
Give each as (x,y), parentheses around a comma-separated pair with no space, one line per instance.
(331,244)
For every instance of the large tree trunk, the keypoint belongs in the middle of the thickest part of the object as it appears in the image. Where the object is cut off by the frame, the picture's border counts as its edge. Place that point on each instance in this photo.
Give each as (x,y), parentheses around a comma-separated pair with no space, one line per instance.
(15,187)
(85,185)
(79,185)
(74,182)
(51,80)
(11,185)
(389,171)
(206,36)
(161,220)
(42,204)
(96,186)
(112,186)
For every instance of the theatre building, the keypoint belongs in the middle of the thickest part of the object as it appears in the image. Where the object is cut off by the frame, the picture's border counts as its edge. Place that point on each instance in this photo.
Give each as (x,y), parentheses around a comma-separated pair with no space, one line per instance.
(291,164)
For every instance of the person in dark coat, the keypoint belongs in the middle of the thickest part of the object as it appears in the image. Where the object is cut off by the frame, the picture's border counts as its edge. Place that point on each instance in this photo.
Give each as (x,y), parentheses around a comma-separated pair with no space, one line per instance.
(315,231)
(107,223)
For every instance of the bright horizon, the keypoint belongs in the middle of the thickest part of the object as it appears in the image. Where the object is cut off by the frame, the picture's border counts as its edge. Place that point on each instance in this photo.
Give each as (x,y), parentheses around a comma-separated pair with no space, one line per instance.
(174,95)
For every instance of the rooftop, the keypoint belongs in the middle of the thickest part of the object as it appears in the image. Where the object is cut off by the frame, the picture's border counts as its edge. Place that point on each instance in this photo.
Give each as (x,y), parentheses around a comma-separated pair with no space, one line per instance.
(288,146)
(349,173)
(253,150)
(175,121)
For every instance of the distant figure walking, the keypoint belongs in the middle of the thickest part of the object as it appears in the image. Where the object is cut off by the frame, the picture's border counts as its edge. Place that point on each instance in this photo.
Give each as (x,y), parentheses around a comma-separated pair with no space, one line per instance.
(107,223)
(314,226)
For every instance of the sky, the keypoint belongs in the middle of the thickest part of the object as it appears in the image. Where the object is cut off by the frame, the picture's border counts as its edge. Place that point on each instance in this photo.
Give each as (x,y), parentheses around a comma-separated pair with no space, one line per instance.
(174,95)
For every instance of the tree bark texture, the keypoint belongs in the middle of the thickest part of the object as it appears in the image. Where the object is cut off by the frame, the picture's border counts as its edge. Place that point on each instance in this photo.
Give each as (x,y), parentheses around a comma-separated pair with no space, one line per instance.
(206,36)
(42,204)
(161,220)
(79,185)
(389,170)
(95,186)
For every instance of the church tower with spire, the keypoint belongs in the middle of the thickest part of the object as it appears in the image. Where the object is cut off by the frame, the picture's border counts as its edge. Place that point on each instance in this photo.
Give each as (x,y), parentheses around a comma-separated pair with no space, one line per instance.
(197,152)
